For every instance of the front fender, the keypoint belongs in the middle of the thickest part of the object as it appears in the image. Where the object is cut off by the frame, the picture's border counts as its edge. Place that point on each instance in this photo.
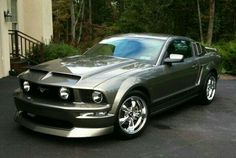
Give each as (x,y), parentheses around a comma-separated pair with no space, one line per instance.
(126,86)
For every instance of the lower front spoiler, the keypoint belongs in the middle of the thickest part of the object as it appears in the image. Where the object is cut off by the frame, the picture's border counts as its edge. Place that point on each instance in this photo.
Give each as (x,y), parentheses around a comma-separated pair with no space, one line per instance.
(74,132)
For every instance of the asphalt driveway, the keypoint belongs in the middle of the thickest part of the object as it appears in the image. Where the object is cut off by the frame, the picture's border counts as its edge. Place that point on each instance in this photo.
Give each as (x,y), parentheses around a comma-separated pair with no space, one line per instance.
(189,130)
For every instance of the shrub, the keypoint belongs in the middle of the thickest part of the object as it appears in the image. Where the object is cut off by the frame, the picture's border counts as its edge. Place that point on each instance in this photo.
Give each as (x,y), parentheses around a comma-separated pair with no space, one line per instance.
(59,50)
(53,51)
(227,51)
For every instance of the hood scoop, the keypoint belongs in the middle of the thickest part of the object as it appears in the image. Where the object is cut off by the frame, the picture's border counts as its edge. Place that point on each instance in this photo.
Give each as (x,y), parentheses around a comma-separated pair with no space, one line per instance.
(55,74)
(52,78)
(38,71)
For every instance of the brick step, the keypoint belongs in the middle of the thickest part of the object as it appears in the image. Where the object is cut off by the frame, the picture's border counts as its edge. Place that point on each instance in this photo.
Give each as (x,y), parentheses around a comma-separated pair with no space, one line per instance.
(18,66)
(14,59)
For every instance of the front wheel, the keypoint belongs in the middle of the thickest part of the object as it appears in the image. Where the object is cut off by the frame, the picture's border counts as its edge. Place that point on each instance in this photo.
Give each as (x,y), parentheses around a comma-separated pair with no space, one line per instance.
(132,115)
(209,89)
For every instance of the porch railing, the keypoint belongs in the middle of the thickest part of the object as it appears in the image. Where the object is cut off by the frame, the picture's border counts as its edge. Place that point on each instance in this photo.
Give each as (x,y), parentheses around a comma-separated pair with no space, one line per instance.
(24,46)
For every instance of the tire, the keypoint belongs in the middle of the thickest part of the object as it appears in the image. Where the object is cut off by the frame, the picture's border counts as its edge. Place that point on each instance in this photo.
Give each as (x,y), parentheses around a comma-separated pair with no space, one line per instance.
(208,91)
(132,115)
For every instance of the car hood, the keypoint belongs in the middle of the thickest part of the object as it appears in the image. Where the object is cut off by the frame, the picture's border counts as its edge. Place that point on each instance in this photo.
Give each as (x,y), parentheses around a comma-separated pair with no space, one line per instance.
(89,70)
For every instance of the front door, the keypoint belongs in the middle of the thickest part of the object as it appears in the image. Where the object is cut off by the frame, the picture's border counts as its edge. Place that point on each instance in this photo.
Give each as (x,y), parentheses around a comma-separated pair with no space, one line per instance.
(177,77)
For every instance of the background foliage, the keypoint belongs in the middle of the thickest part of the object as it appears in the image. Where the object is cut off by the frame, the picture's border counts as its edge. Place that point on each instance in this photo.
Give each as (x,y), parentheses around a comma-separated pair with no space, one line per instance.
(92,20)
(228,54)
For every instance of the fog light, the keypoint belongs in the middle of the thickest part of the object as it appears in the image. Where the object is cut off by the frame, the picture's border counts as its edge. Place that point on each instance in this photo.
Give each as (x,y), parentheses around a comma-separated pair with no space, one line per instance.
(87,114)
(93,114)
(97,96)
(101,113)
(64,93)
(26,86)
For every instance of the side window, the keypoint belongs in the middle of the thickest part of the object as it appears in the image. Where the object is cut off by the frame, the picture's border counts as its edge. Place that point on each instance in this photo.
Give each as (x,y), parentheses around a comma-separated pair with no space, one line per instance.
(195,48)
(200,49)
(180,47)
(203,50)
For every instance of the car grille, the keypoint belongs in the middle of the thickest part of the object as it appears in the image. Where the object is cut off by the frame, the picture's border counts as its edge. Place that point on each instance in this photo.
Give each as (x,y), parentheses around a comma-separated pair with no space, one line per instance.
(46,92)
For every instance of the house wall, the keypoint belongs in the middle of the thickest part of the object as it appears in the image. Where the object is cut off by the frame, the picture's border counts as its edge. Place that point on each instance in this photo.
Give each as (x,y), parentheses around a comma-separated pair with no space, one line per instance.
(34,17)
(47,21)
(4,41)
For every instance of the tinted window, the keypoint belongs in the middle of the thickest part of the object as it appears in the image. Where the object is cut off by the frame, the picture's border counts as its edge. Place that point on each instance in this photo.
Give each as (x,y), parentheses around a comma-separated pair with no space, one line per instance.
(180,47)
(143,49)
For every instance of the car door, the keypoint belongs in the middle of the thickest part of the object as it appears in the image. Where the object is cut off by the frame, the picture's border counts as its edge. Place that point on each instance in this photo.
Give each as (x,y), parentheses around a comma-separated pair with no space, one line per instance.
(172,80)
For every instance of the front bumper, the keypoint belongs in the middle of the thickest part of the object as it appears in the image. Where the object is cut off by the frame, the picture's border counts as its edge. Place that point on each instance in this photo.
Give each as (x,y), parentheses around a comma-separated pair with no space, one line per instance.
(74,132)
(62,119)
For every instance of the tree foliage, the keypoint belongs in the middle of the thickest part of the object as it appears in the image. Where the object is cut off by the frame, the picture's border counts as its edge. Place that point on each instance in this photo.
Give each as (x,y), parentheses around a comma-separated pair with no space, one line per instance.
(84,22)
(178,17)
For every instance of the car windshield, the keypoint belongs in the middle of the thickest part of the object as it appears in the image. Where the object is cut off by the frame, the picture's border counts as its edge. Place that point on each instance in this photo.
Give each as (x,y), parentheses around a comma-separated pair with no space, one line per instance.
(143,49)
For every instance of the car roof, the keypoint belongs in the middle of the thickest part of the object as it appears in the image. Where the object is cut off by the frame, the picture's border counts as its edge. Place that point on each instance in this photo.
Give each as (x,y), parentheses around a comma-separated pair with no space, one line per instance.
(150,35)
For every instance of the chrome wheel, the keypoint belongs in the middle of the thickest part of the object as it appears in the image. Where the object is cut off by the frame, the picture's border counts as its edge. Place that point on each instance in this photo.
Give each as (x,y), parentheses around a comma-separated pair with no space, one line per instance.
(132,115)
(211,88)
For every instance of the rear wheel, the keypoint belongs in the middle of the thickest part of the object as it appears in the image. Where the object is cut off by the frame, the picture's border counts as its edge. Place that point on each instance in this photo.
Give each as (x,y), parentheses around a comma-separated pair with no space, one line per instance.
(209,89)
(132,115)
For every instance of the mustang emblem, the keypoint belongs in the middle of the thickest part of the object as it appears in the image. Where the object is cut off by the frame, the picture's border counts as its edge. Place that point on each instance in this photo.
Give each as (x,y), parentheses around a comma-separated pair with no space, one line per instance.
(42,90)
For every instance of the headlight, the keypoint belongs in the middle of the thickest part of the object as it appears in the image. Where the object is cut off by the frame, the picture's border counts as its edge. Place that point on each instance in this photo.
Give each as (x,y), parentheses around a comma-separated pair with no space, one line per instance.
(97,97)
(26,86)
(64,93)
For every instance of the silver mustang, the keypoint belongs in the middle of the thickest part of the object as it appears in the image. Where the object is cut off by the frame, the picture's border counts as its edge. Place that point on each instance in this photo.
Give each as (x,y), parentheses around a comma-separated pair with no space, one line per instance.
(115,85)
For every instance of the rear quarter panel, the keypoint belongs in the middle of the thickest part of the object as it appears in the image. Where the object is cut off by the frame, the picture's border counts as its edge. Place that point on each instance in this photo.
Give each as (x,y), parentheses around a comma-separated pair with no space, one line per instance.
(210,62)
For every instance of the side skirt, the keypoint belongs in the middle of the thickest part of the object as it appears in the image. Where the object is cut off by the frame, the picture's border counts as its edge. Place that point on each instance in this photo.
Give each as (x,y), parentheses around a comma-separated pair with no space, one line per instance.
(170,102)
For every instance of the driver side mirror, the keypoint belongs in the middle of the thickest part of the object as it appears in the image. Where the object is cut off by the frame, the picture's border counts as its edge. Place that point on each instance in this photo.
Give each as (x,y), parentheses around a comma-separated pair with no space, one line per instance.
(174,58)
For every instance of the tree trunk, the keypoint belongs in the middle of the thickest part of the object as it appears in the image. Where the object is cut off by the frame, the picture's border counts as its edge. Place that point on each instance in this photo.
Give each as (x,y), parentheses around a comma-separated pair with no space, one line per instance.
(108,3)
(234,25)
(90,20)
(81,22)
(211,21)
(200,21)
(72,14)
(67,31)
